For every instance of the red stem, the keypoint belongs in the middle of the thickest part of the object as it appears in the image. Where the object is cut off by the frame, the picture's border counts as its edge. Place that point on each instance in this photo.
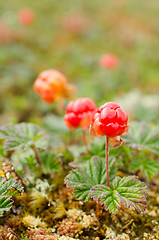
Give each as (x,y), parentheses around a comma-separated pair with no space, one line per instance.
(107,162)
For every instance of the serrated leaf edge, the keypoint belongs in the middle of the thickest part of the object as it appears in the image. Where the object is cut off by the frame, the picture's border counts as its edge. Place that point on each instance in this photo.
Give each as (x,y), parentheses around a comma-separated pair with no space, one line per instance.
(11,201)
(4,128)
(12,187)
(145,193)
(9,197)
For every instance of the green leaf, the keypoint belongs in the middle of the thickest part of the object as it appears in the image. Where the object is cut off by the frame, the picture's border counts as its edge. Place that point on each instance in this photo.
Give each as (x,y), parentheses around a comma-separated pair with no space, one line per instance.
(142,136)
(56,129)
(23,135)
(89,174)
(24,161)
(148,167)
(30,161)
(54,124)
(49,162)
(1,152)
(98,147)
(8,189)
(5,204)
(120,153)
(126,191)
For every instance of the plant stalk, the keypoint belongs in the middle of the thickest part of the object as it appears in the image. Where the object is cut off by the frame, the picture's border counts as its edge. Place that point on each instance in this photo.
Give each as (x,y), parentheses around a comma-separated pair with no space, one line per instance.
(85,140)
(22,182)
(37,156)
(107,162)
(60,105)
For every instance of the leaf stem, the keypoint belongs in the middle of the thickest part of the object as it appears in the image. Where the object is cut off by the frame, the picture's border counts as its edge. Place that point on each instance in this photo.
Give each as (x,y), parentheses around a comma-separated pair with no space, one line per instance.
(37,155)
(18,177)
(85,140)
(107,162)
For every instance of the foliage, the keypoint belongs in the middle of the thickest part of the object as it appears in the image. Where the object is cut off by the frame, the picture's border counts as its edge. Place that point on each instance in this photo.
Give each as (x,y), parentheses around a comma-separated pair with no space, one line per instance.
(23,237)
(25,164)
(49,162)
(142,136)
(22,136)
(54,124)
(8,189)
(148,166)
(23,55)
(122,155)
(30,161)
(97,147)
(1,152)
(56,128)
(89,174)
(126,191)
(65,157)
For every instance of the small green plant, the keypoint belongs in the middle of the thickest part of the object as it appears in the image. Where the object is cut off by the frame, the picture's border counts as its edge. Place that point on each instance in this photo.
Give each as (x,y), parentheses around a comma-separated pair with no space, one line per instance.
(89,174)
(24,136)
(143,137)
(96,179)
(25,238)
(8,189)
(138,155)
(26,144)
(143,140)
(148,166)
(49,162)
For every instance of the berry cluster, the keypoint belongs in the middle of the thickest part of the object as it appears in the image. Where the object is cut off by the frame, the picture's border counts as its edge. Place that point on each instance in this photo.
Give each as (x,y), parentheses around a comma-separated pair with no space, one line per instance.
(109,119)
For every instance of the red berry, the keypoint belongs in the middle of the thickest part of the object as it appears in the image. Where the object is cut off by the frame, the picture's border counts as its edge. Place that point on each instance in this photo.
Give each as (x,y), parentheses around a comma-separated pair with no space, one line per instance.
(75,23)
(55,79)
(49,85)
(109,120)
(79,113)
(26,16)
(109,61)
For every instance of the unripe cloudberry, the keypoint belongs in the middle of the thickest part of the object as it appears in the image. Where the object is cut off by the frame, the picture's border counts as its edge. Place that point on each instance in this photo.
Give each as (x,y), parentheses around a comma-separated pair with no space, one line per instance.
(50,84)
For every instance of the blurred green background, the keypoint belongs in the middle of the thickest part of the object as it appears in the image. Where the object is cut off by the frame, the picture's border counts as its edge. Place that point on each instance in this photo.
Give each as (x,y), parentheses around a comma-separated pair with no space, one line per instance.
(71,36)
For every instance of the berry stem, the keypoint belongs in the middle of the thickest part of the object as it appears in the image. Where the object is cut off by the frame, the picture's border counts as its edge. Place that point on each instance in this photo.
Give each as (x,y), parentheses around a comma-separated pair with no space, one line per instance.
(37,155)
(107,162)
(60,105)
(85,140)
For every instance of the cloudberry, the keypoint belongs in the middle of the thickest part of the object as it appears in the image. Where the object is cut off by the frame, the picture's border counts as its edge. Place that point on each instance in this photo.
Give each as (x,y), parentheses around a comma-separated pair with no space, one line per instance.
(109,61)
(50,84)
(109,120)
(79,113)
(26,16)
